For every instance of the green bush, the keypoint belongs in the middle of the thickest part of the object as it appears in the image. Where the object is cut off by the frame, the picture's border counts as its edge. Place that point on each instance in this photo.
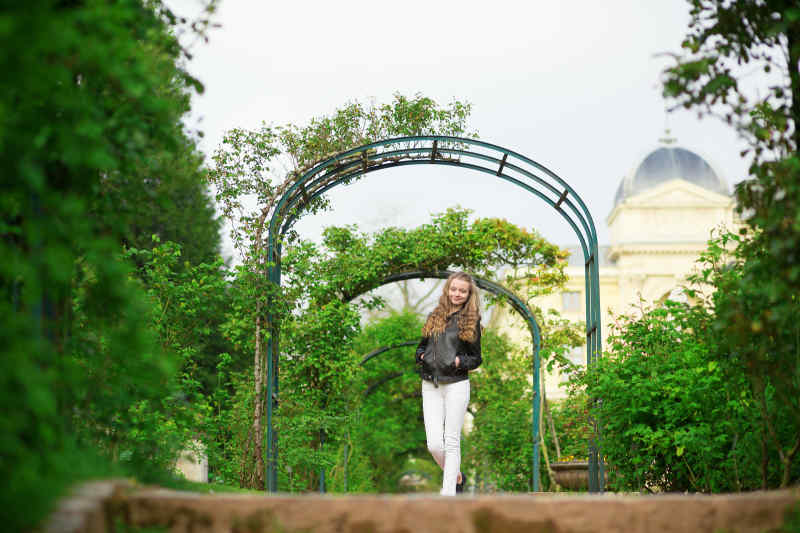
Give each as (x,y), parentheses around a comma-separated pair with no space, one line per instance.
(670,418)
(388,428)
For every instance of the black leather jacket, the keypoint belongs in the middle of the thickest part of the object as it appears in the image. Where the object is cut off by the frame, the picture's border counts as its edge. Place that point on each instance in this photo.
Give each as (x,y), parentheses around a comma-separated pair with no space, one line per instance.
(440,351)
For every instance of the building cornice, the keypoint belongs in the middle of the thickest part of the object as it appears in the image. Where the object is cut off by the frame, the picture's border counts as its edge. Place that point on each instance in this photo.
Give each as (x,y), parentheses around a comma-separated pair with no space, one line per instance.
(652,199)
(691,248)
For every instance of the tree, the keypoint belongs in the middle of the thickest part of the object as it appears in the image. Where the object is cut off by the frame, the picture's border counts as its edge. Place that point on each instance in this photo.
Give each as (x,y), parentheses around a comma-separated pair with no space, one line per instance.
(174,204)
(756,303)
(734,265)
(89,91)
(245,166)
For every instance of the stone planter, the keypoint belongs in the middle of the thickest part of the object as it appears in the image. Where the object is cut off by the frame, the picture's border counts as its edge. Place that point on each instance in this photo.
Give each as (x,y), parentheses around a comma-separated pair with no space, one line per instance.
(573,475)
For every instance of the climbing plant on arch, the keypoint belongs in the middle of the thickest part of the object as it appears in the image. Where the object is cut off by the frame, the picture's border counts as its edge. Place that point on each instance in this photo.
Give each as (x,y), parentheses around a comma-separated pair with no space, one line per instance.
(305,188)
(318,277)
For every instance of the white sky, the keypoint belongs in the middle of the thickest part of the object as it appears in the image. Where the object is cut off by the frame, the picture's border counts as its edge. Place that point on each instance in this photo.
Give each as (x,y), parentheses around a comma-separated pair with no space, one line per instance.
(573,85)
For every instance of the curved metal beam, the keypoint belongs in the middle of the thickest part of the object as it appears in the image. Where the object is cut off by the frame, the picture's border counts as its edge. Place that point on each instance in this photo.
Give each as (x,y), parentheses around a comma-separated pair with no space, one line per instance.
(353,171)
(324,185)
(369,152)
(379,351)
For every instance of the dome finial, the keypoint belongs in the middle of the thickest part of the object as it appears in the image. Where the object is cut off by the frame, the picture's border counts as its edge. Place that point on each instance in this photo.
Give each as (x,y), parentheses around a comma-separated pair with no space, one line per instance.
(667,138)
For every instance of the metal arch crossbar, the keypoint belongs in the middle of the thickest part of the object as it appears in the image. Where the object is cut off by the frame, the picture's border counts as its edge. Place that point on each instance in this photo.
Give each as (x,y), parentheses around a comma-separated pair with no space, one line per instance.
(376,353)
(502,165)
(471,154)
(561,198)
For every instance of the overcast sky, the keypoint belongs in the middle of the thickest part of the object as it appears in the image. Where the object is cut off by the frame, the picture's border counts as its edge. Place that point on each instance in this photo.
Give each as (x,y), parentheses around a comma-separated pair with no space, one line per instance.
(573,85)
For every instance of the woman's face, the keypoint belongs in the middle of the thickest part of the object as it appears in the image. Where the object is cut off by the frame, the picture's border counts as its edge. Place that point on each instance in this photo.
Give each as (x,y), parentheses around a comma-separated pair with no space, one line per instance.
(458,291)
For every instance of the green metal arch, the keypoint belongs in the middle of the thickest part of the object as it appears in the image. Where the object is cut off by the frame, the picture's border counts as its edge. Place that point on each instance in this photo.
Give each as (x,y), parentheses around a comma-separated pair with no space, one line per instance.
(522,308)
(323,189)
(304,199)
(383,349)
(530,175)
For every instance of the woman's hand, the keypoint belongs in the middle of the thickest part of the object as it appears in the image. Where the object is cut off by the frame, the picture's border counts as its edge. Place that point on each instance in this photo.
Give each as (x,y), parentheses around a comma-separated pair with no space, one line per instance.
(458,361)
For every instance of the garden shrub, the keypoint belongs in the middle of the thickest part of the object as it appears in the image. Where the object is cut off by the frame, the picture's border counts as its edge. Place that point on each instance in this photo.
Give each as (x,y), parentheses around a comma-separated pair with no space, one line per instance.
(670,418)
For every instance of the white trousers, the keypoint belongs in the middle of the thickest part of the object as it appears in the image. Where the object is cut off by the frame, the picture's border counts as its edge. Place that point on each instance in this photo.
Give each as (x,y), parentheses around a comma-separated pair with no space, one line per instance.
(443,409)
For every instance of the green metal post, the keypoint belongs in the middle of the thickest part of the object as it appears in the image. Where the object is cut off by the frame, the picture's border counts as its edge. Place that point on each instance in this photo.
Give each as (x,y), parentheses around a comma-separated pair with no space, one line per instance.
(537,392)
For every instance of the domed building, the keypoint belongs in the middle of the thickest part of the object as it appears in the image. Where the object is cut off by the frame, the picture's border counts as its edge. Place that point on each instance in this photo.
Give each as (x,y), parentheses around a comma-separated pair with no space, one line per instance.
(663,214)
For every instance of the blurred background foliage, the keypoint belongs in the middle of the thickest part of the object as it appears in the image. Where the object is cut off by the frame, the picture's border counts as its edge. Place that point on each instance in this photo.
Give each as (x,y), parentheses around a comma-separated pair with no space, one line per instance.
(94,157)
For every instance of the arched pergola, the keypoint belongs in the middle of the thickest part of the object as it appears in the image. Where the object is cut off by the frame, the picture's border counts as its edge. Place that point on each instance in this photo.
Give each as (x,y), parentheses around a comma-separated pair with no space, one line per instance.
(470,154)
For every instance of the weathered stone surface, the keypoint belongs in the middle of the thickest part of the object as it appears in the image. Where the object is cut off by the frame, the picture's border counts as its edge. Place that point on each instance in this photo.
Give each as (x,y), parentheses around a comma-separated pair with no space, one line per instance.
(86,509)
(186,512)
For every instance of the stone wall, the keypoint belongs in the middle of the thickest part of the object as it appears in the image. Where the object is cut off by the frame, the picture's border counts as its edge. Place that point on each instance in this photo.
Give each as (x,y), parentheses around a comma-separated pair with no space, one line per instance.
(99,507)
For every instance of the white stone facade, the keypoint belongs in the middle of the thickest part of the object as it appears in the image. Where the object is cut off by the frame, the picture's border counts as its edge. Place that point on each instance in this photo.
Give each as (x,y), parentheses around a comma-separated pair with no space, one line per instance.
(192,463)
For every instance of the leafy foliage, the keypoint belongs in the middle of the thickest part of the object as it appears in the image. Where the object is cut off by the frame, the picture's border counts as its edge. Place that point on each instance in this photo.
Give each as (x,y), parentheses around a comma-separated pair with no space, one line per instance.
(755,306)
(174,205)
(91,92)
(315,382)
(499,448)
(387,428)
(671,418)
(358,262)
(766,357)
(722,36)
(690,401)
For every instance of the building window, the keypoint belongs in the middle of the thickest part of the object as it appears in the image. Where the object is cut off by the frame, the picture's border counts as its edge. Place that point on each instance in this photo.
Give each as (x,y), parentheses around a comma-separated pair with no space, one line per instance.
(571,301)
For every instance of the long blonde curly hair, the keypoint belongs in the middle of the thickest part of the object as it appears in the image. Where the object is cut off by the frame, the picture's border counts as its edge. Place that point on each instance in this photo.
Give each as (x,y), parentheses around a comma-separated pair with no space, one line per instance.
(470,311)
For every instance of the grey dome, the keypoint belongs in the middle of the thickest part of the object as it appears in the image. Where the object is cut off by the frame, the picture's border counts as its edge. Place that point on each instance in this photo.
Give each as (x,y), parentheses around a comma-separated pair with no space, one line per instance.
(668,163)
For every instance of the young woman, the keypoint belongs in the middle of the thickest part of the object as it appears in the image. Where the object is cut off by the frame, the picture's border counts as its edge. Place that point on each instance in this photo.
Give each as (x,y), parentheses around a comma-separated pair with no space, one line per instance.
(449,349)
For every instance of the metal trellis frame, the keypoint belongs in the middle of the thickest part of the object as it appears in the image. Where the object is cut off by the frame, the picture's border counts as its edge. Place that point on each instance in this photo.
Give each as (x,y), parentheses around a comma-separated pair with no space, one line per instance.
(471,154)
